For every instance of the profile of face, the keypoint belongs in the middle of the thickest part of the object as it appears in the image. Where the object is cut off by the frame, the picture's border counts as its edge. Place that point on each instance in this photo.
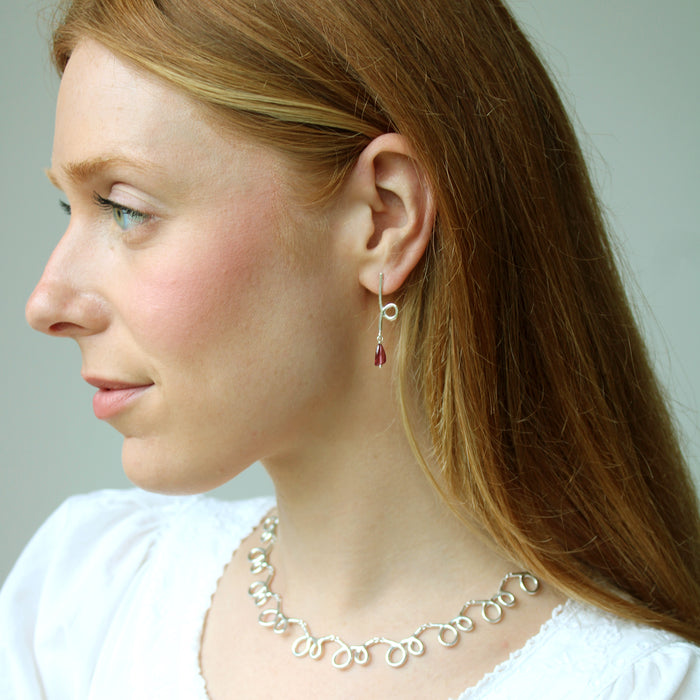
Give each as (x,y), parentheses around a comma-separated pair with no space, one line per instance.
(210,343)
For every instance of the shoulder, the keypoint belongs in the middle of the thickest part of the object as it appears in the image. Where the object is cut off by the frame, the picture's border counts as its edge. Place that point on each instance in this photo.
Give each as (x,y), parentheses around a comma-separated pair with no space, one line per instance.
(624,659)
(112,533)
(585,653)
(94,561)
(118,530)
(135,509)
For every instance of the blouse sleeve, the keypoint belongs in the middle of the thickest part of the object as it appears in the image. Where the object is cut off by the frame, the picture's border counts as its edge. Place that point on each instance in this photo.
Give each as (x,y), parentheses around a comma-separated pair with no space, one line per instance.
(57,603)
(19,603)
(671,672)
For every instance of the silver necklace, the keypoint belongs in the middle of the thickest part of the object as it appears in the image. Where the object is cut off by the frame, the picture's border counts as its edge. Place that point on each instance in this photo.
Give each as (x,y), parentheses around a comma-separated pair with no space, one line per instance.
(346,655)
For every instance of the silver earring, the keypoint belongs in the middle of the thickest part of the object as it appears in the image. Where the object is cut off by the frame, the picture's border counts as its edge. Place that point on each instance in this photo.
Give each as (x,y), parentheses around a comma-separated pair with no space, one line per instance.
(388,312)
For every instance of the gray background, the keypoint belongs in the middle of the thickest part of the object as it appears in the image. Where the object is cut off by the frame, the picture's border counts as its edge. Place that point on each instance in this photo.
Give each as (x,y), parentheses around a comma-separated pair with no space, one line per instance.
(629,70)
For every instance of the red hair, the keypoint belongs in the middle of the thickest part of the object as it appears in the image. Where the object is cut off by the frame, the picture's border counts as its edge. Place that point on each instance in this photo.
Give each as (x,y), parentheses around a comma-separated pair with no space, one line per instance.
(549,426)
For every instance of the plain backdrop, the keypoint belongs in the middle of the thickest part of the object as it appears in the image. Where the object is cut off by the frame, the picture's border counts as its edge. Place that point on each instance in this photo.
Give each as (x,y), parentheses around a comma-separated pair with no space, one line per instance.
(627,68)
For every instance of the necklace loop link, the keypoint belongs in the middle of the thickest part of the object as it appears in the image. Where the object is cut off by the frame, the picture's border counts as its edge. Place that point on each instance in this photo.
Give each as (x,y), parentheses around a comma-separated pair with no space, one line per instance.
(345,655)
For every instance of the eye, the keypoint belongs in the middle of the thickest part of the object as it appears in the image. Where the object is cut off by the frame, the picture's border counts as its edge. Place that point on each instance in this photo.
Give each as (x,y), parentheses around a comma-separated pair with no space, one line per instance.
(125,217)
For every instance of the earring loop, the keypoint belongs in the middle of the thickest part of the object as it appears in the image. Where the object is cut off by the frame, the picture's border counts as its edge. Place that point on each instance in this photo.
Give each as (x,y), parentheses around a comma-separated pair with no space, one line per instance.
(389,312)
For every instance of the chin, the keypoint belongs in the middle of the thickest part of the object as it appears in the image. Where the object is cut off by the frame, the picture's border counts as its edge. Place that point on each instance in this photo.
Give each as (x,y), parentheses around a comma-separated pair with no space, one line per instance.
(172,474)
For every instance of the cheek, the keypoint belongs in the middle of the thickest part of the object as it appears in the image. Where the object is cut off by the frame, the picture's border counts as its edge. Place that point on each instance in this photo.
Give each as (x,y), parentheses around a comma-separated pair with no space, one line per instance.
(196,294)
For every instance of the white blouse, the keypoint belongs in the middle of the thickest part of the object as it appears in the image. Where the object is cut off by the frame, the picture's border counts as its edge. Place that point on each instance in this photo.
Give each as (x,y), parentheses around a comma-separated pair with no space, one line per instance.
(108,602)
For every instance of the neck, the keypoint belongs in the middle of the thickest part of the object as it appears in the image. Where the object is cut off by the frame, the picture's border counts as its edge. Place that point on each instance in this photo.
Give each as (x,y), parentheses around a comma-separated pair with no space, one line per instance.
(363,536)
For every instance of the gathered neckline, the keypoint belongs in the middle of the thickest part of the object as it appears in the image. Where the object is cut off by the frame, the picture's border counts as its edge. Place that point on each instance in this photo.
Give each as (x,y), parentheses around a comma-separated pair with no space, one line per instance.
(563,610)
(499,670)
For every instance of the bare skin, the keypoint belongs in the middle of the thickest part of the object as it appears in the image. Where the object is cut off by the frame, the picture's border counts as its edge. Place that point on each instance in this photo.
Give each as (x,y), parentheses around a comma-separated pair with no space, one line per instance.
(237,653)
(248,351)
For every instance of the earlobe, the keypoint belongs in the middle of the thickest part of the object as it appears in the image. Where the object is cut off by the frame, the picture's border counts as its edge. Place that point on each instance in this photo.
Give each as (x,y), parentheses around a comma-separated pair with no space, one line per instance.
(403,212)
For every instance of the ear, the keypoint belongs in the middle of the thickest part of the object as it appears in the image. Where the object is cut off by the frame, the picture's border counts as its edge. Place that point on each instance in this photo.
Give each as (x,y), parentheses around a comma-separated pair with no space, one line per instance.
(389,181)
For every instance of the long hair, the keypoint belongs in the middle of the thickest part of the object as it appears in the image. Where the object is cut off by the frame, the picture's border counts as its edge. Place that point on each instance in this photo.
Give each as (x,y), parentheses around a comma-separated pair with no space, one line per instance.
(547,422)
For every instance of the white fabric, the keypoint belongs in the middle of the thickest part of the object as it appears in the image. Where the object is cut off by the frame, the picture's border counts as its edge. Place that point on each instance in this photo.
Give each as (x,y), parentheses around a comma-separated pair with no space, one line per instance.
(108,602)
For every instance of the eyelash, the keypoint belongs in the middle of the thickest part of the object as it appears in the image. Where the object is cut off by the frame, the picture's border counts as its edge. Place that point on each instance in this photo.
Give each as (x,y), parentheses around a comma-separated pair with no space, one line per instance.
(114,209)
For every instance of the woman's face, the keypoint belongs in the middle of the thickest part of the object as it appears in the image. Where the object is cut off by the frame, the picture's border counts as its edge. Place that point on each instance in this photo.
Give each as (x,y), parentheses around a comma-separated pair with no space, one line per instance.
(210,344)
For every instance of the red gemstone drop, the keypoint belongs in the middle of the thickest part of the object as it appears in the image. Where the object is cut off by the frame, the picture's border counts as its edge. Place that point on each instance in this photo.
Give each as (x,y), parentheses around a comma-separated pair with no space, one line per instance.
(379,356)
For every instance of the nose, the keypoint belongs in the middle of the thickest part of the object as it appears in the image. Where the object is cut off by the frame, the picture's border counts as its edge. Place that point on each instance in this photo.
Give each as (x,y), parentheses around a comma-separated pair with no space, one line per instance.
(65,302)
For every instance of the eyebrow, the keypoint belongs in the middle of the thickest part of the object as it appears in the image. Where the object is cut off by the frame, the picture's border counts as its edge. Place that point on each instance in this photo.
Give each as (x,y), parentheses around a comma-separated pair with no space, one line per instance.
(85,170)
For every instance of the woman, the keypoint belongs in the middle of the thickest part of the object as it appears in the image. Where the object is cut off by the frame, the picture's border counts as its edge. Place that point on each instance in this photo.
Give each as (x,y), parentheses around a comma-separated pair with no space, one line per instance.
(357,242)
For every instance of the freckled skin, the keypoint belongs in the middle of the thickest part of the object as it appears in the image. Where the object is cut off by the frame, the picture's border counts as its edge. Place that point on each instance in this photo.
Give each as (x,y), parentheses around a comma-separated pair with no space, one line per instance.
(242,345)
(254,353)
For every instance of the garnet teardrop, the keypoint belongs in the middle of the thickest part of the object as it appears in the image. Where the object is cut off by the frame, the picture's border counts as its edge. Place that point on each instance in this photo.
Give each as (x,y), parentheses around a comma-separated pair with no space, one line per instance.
(379,356)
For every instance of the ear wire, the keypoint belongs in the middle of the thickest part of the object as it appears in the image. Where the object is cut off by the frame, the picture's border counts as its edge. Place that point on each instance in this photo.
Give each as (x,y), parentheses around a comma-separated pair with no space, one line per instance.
(388,312)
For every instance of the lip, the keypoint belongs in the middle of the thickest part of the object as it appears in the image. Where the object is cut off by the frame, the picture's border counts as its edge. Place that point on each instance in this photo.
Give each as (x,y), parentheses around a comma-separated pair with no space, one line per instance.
(114,396)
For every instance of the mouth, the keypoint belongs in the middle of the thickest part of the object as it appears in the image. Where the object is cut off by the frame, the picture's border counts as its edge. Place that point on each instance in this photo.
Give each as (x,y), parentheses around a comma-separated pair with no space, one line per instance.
(114,396)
